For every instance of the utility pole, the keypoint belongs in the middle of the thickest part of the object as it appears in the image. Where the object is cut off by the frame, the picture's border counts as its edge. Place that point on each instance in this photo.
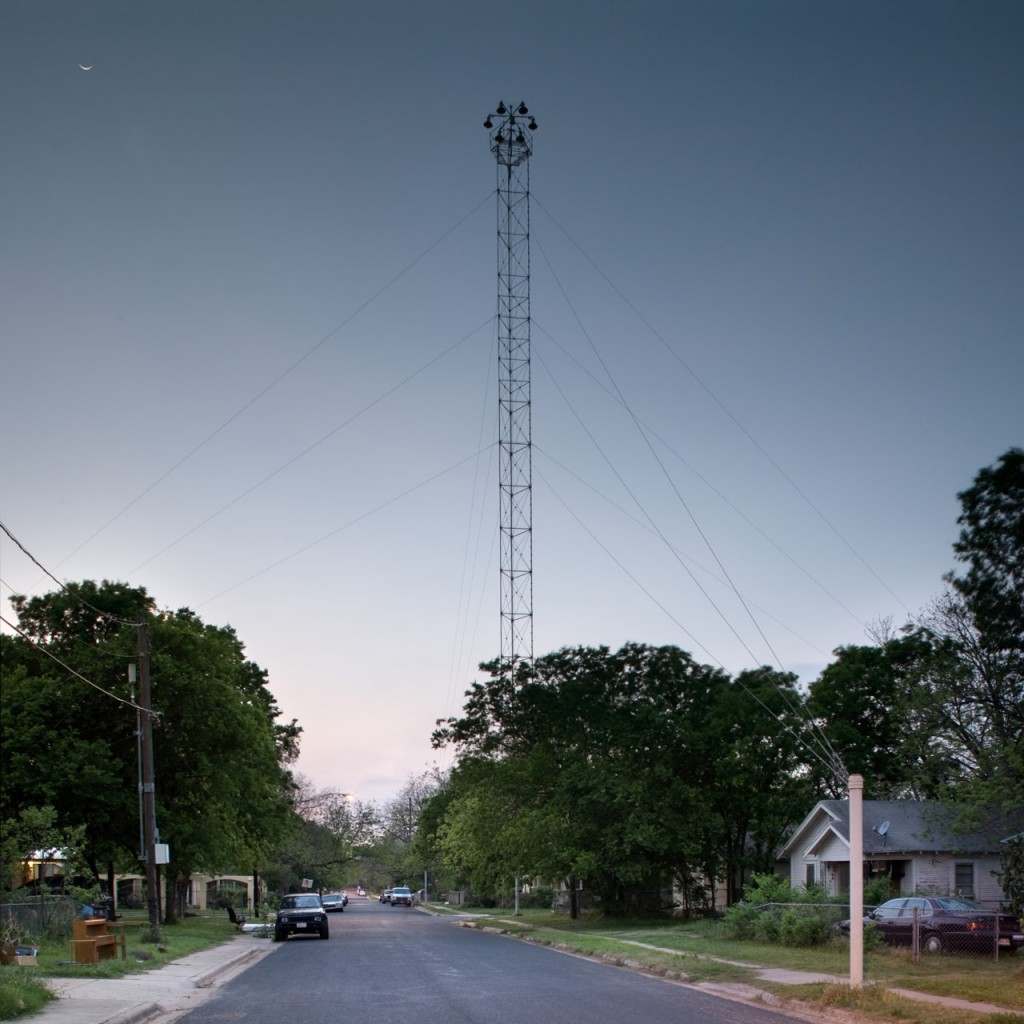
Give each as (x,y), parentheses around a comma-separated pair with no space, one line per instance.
(148,785)
(511,143)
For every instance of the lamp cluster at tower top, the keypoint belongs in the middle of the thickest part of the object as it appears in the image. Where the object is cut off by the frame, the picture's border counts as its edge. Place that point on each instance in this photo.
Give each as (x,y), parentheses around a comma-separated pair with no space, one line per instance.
(510,131)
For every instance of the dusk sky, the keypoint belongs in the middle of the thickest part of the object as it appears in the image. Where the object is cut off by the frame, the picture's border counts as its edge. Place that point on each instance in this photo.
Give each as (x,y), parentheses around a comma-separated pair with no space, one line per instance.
(249,337)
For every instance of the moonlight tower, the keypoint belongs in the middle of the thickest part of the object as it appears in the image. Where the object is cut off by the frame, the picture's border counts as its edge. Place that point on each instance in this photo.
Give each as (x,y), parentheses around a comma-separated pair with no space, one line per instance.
(512,145)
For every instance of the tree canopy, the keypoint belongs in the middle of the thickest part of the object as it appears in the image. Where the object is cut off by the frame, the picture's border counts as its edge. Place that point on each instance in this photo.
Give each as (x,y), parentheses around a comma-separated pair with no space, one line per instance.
(632,767)
(223,785)
(623,769)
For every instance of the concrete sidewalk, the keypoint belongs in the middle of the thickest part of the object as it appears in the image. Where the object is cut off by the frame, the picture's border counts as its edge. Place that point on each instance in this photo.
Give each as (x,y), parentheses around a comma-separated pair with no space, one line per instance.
(176,987)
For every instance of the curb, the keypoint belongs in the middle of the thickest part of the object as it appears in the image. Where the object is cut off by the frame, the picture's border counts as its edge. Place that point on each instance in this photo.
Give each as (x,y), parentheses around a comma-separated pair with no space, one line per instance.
(207,978)
(136,1014)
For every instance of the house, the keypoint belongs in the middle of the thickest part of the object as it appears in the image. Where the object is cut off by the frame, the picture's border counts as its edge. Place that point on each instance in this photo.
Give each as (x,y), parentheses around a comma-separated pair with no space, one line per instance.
(912,843)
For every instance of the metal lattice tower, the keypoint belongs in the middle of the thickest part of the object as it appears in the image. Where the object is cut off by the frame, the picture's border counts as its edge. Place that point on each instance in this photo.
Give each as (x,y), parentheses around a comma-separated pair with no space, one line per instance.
(512,146)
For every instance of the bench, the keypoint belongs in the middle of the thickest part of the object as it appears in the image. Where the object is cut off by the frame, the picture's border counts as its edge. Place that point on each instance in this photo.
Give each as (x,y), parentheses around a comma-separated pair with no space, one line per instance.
(92,941)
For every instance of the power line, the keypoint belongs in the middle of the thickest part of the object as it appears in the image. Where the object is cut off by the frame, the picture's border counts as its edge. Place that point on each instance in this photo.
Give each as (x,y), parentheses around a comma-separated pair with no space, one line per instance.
(831,759)
(74,672)
(305,451)
(646,526)
(700,476)
(277,380)
(345,526)
(78,597)
(725,409)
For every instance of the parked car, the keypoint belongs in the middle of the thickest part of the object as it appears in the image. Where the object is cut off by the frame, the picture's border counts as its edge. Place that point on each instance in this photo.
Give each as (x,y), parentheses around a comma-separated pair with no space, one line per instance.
(946,923)
(401,897)
(301,914)
(333,901)
(385,896)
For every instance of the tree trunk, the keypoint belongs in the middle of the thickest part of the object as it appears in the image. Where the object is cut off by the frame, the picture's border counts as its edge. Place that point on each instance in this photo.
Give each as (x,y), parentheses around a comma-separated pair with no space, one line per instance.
(112,887)
(574,899)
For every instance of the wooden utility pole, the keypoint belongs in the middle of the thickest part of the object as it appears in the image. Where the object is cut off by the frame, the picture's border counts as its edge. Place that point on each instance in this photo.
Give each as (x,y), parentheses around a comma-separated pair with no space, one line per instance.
(148,784)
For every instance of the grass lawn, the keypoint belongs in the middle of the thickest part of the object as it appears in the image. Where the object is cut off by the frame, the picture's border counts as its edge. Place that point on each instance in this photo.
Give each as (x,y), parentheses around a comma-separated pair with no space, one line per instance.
(702,951)
(22,991)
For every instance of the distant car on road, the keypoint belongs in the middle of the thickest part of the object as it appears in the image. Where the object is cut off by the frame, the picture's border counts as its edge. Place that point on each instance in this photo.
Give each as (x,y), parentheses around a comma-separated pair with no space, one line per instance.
(385,896)
(401,896)
(301,913)
(333,901)
(945,922)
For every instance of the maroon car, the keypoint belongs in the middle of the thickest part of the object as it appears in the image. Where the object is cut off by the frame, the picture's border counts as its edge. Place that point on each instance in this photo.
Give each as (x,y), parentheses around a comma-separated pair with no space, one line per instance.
(943,923)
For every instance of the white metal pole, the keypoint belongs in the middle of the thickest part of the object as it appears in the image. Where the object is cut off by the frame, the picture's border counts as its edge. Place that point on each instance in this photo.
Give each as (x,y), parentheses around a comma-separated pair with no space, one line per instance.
(856,881)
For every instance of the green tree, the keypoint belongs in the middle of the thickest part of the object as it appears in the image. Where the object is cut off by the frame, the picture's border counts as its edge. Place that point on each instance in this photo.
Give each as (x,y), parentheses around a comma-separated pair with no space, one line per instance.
(761,782)
(985,627)
(223,787)
(66,742)
(873,709)
(624,770)
(991,546)
(35,829)
(330,831)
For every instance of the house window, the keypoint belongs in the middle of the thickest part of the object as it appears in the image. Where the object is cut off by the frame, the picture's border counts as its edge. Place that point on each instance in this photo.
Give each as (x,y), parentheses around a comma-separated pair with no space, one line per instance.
(810,876)
(964,880)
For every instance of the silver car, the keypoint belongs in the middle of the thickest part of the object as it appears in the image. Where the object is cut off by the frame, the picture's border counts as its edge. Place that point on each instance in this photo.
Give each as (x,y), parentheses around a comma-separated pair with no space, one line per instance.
(333,901)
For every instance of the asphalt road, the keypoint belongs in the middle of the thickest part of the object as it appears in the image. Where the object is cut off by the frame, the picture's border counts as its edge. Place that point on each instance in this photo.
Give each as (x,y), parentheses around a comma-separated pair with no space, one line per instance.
(392,965)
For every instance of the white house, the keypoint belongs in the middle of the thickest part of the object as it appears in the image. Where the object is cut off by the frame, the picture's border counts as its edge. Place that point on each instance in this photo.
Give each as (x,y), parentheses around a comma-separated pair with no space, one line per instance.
(912,843)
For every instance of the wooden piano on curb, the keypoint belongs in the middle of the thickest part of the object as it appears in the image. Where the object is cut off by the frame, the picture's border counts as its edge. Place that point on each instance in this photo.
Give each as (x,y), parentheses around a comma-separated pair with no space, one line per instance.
(93,941)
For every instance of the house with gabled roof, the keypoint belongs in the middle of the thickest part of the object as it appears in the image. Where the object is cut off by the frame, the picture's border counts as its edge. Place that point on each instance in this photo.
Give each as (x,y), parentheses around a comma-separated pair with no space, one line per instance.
(917,845)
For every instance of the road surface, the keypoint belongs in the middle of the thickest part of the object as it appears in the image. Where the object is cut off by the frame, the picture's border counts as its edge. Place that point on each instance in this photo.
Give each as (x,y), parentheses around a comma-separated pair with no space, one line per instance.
(393,965)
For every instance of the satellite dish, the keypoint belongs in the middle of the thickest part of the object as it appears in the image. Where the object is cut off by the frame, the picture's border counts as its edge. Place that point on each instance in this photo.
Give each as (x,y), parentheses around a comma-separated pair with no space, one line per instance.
(883,828)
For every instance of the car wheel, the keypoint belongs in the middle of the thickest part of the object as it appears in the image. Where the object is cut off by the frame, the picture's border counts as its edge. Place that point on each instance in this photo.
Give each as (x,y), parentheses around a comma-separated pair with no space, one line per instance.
(324,933)
(932,944)
(279,936)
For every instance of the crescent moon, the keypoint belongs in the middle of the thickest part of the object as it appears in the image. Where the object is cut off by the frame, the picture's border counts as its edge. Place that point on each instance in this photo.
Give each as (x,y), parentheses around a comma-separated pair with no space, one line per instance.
(84,68)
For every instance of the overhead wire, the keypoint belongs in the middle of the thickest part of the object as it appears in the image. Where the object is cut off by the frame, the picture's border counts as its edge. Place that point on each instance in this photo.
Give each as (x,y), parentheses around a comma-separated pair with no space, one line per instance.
(311,447)
(704,480)
(471,548)
(645,526)
(824,758)
(75,672)
(640,505)
(725,409)
(68,590)
(352,522)
(281,376)
(829,756)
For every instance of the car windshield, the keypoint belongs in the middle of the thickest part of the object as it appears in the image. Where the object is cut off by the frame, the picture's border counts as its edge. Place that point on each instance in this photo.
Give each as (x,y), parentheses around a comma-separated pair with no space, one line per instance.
(958,905)
(300,902)
(335,896)
(401,892)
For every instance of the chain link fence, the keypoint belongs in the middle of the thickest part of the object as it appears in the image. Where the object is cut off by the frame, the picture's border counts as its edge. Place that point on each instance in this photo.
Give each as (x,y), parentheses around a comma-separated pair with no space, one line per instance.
(41,917)
(924,926)
(946,926)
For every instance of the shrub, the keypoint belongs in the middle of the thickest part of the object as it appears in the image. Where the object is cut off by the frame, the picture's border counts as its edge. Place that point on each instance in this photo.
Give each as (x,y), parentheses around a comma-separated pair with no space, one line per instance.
(773,911)
(804,929)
